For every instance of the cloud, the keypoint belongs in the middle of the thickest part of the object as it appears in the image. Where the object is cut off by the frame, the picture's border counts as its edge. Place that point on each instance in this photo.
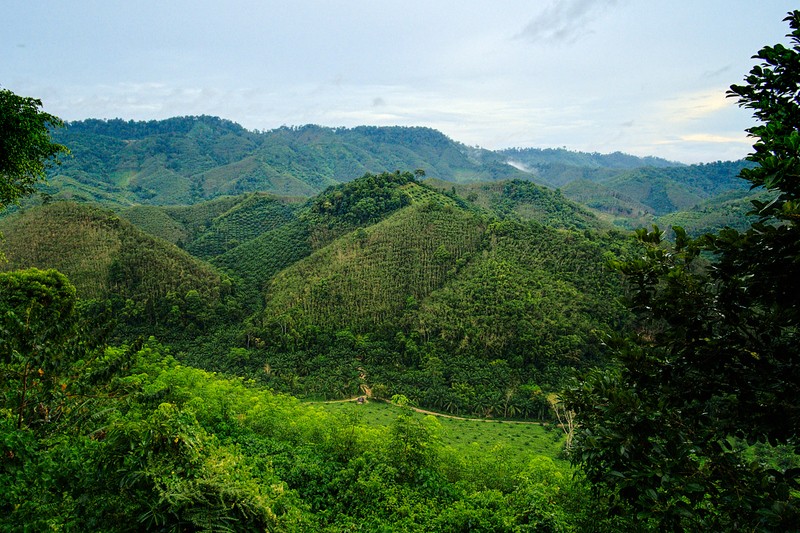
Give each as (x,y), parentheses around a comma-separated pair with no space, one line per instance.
(564,21)
(740,138)
(696,106)
(718,72)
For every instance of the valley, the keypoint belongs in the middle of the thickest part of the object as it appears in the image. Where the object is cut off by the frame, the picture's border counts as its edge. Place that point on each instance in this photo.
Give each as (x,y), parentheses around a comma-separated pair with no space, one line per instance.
(224,294)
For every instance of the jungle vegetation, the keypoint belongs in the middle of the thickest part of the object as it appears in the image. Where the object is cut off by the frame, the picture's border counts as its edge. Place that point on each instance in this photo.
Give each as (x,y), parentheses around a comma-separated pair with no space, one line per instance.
(180,347)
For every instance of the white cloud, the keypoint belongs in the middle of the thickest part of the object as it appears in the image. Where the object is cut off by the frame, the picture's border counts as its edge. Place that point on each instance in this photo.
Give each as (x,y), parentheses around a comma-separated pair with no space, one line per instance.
(696,105)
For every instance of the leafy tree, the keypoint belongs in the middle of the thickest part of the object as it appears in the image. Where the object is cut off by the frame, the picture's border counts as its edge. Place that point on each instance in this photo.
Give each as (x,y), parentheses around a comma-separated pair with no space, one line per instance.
(37,323)
(679,433)
(26,149)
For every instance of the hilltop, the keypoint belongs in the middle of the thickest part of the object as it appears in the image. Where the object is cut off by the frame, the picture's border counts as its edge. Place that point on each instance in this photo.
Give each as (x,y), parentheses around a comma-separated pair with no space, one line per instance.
(188,160)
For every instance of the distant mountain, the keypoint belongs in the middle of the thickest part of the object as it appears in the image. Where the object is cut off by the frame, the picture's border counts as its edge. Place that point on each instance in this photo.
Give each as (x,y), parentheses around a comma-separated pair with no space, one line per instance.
(725,210)
(190,159)
(187,160)
(555,167)
(625,189)
(633,198)
(533,158)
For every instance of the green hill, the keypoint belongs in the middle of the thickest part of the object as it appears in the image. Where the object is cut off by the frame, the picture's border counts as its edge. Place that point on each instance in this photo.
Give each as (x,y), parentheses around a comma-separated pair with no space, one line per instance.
(423,294)
(726,210)
(524,200)
(185,160)
(366,277)
(540,158)
(468,304)
(675,189)
(189,160)
(249,218)
(148,281)
(609,204)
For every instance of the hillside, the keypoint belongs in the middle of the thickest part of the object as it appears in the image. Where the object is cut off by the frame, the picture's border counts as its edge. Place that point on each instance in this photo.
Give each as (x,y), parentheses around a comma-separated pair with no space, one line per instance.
(524,200)
(185,160)
(538,159)
(189,160)
(726,210)
(634,198)
(366,276)
(148,282)
(252,237)
(387,282)
(428,296)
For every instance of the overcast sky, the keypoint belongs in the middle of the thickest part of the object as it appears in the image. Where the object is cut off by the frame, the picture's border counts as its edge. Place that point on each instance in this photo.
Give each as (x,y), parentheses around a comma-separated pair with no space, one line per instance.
(644,77)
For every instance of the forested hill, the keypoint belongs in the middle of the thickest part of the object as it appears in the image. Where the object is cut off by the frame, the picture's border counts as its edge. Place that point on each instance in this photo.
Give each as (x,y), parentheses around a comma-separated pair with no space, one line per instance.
(190,159)
(147,285)
(375,281)
(187,160)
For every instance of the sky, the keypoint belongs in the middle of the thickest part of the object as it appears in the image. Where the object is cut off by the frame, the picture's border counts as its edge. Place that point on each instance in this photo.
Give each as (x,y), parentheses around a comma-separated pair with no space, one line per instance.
(645,77)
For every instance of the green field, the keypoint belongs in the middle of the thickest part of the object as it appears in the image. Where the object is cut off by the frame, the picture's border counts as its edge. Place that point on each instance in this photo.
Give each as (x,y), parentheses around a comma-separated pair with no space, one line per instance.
(518,439)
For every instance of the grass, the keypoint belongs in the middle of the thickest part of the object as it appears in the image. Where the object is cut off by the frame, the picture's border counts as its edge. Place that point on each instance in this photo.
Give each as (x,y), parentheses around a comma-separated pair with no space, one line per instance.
(469,436)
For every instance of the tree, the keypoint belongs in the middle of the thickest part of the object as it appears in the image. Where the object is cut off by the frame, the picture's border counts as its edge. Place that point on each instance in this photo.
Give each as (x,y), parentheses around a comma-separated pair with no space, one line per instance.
(26,149)
(676,433)
(37,325)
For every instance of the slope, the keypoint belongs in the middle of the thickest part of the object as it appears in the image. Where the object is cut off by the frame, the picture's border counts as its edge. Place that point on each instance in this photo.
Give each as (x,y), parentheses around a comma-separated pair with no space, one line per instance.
(367,277)
(147,281)
(185,160)
(433,299)
(524,200)
(726,210)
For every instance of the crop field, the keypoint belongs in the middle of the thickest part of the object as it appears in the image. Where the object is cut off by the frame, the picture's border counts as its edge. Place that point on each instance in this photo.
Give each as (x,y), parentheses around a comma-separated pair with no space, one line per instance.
(470,436)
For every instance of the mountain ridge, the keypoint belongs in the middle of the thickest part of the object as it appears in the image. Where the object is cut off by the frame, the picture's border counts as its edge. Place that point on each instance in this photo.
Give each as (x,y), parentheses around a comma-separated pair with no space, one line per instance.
(186,160)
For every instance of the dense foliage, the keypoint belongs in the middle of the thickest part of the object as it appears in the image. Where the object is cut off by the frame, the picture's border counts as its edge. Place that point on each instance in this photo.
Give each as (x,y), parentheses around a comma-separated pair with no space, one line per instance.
(127,439)
(26,150)
(524,200)
(382,281)
(696,427)
(436,300)
(476,299)
(148,285)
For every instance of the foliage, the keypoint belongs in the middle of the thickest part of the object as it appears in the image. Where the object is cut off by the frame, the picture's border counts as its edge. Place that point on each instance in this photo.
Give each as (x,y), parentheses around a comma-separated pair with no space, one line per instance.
(176,448)
(148,283)
(437,303)
(186,160)
(99,438)
(26,149)
(681,432)
(524,200)
(363,201)
(37,311)
(538,157)
(731,210)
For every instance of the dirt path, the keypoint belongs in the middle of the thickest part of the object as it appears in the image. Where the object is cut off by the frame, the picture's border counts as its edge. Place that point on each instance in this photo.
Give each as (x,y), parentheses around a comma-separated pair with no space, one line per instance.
(367,396)
(434,413)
